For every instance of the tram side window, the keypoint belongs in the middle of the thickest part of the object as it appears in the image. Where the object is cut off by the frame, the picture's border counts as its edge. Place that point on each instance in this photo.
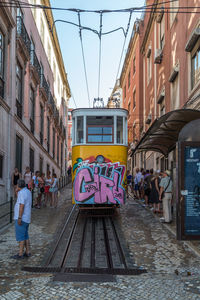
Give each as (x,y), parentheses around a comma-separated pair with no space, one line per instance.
(99,129)
(79,136)
(119,130)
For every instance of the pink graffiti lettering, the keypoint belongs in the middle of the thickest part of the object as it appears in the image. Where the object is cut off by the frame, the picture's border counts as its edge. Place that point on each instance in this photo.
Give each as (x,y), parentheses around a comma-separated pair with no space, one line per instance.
(88,183)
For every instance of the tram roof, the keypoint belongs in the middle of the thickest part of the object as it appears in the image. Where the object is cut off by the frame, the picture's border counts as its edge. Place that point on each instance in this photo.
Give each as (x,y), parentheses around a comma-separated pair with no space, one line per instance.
(100,111)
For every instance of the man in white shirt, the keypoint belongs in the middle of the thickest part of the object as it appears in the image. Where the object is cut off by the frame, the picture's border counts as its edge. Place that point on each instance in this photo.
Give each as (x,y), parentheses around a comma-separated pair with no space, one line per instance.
(137,182)
(22,217)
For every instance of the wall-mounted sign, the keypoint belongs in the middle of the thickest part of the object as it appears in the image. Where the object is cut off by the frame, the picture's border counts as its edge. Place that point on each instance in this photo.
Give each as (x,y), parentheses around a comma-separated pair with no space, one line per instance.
(188,200)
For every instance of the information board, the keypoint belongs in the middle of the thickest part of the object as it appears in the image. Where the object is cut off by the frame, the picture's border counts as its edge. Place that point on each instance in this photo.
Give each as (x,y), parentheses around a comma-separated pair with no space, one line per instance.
(191,190)
(188,204)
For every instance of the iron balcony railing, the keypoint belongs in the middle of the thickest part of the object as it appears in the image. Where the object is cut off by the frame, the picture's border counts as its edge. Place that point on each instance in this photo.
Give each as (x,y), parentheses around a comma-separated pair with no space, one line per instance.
(44,84)
(19,109)
(48,146)
(1,88)
(51,101)
(21,31)
(35,63)
(41,138)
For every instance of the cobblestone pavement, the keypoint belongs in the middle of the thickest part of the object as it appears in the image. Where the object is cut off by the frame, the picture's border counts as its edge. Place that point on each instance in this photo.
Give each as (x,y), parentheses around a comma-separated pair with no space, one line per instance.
(173,270)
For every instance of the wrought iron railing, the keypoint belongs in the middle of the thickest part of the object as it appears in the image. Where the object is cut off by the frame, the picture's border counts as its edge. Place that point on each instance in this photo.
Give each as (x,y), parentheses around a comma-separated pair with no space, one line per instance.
(19,109)
(51,101)
(48,146)
(44,84)
(21,31)
(1,88)
(35,62)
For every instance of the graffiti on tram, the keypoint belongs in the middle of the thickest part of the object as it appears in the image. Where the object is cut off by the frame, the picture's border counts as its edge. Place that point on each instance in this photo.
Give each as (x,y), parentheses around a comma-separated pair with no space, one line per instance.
(98,180)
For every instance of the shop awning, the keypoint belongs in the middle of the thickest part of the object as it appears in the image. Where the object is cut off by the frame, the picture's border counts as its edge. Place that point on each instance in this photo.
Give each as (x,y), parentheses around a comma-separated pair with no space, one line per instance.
(163,133)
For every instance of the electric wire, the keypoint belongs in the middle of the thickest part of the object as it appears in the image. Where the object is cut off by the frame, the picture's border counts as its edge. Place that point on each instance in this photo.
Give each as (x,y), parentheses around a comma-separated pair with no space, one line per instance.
(83,55)
(100,42)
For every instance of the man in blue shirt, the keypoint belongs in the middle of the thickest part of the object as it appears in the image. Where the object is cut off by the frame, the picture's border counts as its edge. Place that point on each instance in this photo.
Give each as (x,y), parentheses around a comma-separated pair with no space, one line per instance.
(22,217)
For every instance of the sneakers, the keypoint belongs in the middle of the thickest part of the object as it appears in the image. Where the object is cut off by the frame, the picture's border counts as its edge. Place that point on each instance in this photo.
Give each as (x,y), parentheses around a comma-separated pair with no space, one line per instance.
(17,256)
(26,255)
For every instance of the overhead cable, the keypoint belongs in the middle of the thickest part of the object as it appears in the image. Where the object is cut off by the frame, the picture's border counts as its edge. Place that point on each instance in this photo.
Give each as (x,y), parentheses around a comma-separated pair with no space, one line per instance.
(100,34)
(84,64)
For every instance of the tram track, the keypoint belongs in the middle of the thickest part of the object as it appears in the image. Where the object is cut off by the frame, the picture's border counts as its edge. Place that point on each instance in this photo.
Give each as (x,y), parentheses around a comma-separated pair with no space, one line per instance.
(88,245)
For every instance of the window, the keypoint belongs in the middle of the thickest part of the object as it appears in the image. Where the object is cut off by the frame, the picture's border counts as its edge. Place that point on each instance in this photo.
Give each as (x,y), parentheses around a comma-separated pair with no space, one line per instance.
(129,79)
(41,165)
(1,166)
(100,129)
(54,134)
(134,100)
(149,67)
(48,168)
(48,134)
(125,91)
(20,13)
(195,67)
(129,109)
(1,65)
(42,31)
(19,90)
(174,6)
(162,32)
(175,101)
(134,67)
(119,130)
(31,159)
(162,108)
(58,150)
(32,110)
(79,134)
(18,153)
(41,124)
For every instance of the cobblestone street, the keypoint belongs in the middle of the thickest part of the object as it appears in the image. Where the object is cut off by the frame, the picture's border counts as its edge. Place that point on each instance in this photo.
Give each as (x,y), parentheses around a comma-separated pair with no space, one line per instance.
(173,269)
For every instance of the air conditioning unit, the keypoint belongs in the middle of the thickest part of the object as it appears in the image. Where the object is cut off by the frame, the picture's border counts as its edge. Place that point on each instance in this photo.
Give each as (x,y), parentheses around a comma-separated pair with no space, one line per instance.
(158,56)
(149,118)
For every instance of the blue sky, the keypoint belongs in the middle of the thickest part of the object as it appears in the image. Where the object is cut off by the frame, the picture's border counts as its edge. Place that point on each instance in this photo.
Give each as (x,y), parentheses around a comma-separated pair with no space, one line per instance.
(111,46)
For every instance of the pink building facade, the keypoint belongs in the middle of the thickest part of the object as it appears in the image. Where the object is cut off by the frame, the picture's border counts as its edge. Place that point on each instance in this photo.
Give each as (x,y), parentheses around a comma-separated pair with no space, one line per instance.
(32,127)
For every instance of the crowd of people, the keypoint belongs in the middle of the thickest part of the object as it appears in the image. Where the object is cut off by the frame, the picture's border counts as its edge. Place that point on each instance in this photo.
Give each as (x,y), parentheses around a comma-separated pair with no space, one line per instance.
(154,189)
(44,188)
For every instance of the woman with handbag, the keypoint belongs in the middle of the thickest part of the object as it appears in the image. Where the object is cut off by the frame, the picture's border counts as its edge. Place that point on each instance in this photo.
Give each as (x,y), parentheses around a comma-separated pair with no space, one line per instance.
(54,191)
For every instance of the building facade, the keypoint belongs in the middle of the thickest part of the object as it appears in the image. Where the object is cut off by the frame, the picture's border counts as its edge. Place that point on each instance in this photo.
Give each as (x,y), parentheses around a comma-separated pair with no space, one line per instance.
(169,55)
(33,107)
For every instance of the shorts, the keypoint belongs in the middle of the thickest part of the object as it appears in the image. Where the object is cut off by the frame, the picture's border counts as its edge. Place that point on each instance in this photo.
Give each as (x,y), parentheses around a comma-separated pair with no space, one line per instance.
(46,188)
(21,231)
(136,187)
(36,192)
(54,190)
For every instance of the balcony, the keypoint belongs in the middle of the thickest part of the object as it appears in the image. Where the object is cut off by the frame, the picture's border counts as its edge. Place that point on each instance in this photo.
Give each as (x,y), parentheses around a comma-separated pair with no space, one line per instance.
(51,102)
(19,109)
(1,88)
(48,146)
(56,115)
(35,65)
(44,86)
(23,38)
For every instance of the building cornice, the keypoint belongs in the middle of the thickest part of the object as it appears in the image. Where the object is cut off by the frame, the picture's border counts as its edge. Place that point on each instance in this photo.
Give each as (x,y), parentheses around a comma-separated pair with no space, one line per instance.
(56,45)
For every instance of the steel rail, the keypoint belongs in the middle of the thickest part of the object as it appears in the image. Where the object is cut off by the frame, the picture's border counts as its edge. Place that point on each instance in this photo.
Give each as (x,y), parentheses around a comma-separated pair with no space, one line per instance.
(80,258)
(92,258)
(117,241)
(59,238)
(107,245)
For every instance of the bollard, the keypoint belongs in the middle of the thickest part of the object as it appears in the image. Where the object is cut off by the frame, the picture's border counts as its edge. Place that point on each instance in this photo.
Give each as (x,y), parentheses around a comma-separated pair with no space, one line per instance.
(11,206)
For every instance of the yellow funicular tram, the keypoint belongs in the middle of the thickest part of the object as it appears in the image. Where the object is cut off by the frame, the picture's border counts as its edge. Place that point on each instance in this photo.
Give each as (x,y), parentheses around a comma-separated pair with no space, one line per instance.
(99,156)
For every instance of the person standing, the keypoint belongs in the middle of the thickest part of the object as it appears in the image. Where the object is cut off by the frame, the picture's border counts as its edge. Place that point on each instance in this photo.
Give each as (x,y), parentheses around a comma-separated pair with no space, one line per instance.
(154,194)
(36,189)
(54,191)
(22,217)
(47,194)
(166,188)
(137,182)
(15,177)
(28,178)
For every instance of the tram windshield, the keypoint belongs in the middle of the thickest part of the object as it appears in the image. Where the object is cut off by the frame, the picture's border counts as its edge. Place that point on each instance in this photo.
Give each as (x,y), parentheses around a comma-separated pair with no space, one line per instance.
(100,129)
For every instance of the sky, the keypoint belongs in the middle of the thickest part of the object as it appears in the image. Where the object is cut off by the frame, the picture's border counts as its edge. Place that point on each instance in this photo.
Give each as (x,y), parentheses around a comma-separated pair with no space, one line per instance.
(111,49)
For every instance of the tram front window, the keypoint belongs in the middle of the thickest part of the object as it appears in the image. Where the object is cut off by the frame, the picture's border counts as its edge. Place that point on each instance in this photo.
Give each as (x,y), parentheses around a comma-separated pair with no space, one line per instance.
(100,129)
(79,136)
